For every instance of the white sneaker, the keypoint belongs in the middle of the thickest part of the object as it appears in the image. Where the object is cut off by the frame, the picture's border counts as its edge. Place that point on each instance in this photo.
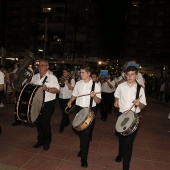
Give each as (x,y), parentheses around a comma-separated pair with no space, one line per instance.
(169,116)
(2,105)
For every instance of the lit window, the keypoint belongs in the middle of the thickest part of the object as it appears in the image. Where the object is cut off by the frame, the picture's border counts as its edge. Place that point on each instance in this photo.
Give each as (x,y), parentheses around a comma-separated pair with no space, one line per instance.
(56,38)
(42,37)
(135,3)
(46,10)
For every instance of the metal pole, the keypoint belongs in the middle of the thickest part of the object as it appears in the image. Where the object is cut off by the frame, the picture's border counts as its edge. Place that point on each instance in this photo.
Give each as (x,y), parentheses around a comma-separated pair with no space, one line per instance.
(45,37)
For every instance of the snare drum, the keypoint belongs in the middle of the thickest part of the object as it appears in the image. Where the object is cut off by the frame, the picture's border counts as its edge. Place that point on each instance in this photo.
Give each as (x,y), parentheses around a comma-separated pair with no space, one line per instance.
(127,123)
(29,103)
(83,119)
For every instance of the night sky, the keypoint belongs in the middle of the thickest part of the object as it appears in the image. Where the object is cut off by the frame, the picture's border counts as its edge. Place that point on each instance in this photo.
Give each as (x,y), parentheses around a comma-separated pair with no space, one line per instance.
(113,14)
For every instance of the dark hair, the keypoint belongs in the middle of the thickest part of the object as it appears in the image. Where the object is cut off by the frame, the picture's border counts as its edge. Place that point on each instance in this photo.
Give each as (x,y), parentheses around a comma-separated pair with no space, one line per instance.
(95,73)
(86,68)
(111,75)
(131,68)
(21,57)
(67,69)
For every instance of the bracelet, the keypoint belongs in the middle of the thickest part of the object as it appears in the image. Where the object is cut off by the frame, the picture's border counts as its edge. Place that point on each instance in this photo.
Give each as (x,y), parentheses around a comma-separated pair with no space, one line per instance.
(47,89)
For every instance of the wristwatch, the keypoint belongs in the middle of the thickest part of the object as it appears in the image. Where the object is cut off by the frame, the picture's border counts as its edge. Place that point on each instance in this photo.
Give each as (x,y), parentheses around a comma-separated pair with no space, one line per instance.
(47,89)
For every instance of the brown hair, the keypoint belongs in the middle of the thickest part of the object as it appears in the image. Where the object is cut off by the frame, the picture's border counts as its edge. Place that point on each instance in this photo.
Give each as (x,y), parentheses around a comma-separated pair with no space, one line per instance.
(132,68)
(86,68)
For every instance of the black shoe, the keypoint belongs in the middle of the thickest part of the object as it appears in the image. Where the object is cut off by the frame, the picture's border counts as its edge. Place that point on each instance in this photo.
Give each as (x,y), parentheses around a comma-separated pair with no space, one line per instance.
(46,147)
(37,145)
(61,130)
(118,158)
(79,154)
(67,124)
(84,164)
(16,123)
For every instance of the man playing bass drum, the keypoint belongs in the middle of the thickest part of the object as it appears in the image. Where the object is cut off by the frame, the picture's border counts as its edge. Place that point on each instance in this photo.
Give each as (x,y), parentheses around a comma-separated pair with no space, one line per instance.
(49,84)
(82,87)
(125,96)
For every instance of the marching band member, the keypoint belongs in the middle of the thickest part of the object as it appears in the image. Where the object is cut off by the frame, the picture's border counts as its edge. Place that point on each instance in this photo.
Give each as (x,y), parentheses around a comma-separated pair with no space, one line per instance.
(139,78)
(95,78)
(125,96)
(66,90)
(84,86)
(108,88)
(50,86)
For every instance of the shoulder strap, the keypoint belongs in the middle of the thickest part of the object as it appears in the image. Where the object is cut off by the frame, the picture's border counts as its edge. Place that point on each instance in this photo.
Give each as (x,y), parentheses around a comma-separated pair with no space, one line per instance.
(92,89)
(138,90)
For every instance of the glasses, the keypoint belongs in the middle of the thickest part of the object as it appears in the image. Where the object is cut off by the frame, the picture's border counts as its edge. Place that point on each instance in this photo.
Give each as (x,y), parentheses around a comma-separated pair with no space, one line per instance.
(42,65)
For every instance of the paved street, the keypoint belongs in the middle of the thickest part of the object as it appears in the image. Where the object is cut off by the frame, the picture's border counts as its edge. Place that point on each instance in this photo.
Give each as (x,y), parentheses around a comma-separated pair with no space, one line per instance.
(151,147)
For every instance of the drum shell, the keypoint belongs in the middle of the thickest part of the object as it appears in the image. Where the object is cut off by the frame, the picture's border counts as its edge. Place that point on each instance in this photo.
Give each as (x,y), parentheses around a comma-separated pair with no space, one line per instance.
(132,128)
(26,101)
(127,123)
(89,117)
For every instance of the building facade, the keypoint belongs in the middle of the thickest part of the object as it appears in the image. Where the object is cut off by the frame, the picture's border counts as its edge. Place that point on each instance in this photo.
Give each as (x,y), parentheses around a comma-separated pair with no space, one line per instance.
(147,33)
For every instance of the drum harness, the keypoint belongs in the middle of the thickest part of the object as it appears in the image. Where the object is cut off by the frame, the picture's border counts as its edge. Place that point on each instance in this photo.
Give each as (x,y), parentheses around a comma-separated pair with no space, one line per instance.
(137,97)
(91,99)
(44,91)
(137,94)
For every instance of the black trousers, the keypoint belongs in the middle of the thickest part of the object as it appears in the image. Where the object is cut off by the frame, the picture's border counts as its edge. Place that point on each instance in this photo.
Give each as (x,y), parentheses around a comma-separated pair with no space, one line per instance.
(43,122)
(126,147)
(85,136)
(65,117)
(106,104)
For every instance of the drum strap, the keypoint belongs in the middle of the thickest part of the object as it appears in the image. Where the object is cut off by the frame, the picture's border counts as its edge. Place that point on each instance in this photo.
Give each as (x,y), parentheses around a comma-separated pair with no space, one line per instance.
(42,84)
(138,90)
(91,99)
(137,93)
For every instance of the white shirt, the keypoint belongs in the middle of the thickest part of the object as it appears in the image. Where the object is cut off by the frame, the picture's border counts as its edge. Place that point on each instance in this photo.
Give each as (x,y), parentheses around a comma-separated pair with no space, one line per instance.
(82,88)
(106,88)
(51,82)
(127,95)
(2,77)
(65,92)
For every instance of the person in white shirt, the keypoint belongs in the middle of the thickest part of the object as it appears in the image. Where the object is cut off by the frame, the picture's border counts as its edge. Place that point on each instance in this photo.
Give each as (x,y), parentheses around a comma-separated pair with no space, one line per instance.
(49,84)
(125,96)
(108,89)
(139,77)
(80,91)
(66,89)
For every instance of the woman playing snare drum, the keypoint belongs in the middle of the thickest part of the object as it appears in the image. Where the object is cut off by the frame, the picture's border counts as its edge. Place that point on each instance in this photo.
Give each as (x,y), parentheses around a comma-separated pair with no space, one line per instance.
(82,87)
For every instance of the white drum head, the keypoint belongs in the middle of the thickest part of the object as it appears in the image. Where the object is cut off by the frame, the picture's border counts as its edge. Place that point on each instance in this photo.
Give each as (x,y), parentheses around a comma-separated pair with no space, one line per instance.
(80,117)
(124,121)
(36,104)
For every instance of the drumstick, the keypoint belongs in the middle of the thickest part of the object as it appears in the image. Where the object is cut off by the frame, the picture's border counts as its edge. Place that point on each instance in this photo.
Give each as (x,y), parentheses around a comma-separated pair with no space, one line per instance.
(87,94)
(131,107)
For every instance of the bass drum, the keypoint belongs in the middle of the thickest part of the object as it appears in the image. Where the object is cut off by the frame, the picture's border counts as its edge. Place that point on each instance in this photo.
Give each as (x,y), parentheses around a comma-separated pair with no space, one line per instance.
(83,119)
(29,103)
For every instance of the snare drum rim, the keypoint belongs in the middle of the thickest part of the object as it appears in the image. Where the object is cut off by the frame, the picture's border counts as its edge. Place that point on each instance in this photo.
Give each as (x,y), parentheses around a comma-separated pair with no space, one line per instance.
(78,128)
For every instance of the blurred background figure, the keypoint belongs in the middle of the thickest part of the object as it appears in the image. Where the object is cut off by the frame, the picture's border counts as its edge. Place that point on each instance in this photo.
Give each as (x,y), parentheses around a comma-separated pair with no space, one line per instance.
(2,81)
